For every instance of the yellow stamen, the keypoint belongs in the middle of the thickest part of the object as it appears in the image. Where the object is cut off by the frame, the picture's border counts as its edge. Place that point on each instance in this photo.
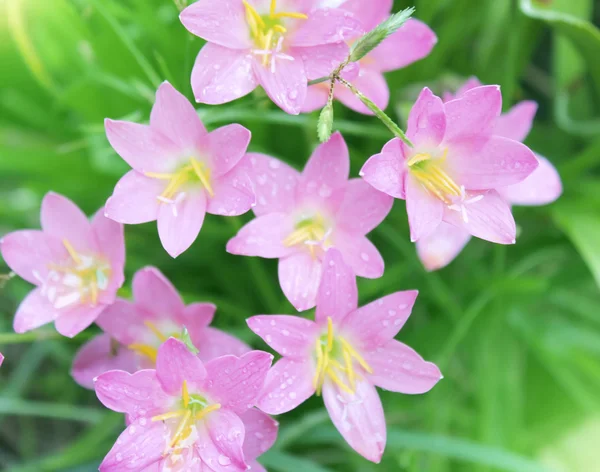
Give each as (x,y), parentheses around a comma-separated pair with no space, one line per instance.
(356,355)
(203,174)
(72,252)
(168,416)
(183,425)
(144,350)
(94,290)
(329,334)
(156,175)
(432,177)
(336,380)
(185,394)
(280,29)
(349,369)
(152,327)
(319,364)
(418,158)
(206,411)
(273,6)
(298,16)
(296,237)
(251,10)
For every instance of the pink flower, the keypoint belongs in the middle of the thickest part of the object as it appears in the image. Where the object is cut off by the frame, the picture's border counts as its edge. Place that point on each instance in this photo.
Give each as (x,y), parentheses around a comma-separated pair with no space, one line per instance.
(1,358)
(343,355)
(457,163)
(76,266)
(180,172)
(278,45)
(140,327)
(185,412)
(412,42)
(300,216)
(543,186)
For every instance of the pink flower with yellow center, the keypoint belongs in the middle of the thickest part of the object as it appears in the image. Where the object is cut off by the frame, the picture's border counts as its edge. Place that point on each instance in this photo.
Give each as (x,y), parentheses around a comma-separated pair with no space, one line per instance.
(412,42)
(457,164)
(76,266)
(301,215)
(180,171)
(135,330)
(186,414)
(279,45)
(343,355)
(542,187)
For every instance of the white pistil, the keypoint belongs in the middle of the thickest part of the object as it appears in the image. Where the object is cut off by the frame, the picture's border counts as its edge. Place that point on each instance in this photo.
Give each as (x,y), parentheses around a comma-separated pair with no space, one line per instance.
(461,206)
(173,202)
(67,300)
(274,53)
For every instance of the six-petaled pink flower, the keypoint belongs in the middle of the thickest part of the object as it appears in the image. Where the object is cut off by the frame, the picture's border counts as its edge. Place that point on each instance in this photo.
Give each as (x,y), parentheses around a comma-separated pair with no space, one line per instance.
(185,413)
(457,163)
(180,171)
(412,42)
(279,45)
(76,265)
(543,186)
(141,326)
(301,215)
(343,355)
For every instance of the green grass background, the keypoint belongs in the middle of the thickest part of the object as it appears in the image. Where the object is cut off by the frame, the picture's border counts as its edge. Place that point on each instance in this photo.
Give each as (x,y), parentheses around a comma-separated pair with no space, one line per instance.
(516,330)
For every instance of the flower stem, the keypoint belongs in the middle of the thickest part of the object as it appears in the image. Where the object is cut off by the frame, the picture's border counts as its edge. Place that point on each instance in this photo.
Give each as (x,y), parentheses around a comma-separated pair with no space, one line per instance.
(379,113)
(319,81)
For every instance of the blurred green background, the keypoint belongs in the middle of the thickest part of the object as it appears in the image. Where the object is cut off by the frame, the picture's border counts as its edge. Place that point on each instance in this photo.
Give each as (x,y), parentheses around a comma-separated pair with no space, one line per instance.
(516,330)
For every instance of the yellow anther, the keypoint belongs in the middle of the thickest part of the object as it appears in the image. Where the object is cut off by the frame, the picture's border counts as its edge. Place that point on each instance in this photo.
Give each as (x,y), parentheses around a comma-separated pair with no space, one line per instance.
(346,345)
(152,327)
(280,29)
(430,174)
(72,252)
(206,411)
(273,7)
(203,174)
(144,350)
(319,369)
(329,334)
(298,16)
(185,394)
(251,11)
(336,380)
(418,158)
(181,428)
(168,416)
(349,369)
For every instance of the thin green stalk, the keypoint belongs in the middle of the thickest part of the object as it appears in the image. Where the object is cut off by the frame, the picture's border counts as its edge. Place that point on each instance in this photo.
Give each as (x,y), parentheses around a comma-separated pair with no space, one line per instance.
(18,407)
(319,81)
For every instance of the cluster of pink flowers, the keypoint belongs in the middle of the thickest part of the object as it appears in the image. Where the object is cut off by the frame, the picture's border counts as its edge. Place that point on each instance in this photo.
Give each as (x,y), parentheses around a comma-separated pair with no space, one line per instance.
(195,397)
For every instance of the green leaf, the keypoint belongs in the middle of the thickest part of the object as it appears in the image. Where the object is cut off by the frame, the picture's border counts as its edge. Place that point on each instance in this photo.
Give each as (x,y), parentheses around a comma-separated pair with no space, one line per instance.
(325,124)
(282,462)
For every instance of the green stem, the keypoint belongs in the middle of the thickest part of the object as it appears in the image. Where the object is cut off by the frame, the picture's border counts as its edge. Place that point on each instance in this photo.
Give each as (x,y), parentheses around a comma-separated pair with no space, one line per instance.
(15,338)
(319,81)
(18,407)
(379,113)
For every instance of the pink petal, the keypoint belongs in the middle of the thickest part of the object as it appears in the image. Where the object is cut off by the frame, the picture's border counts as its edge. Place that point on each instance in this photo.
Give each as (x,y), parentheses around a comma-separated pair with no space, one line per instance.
(517,122)
(213,343)
(221,75)
(34,311)
(398,368)
(290,336)
(473,114)
(326,170)
(261,432)
(274,182)
(255,467)
(73,321)
(174,364)
(489,218)
(134,199)
(299,277)
(223,22)
(363,208)
(155,294)
(325,26)
(412,42)
(233,194)
(228,145)
(338,294)
(543,186)
(378,322)
(196,317)
(175,117)
(99,355)
(138,395)
(359,418)
(386,172)
(62,219)
(29,253)
(286,86)
(497,163)
(439,248)
(263,237)
(320,61)
(424,210)
(111,241)
(124,321)
(372,84)
(1,359)
(178,230)
(471,83)
(360,254)
(289,384)
(316,98)
(235,382)
(370,14)
(221,442)
(142,147)
(139,446)
(427,122)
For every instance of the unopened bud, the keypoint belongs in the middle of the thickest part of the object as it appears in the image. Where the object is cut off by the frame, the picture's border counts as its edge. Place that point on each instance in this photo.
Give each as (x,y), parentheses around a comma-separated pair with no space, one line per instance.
(325,125)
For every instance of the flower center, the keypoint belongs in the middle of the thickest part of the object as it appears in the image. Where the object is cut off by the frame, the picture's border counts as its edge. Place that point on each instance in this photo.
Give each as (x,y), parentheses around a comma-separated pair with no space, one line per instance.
(431,175)
(312,232)
(78,281)
(193,408)
(195,171)
(336,360)
(148,350)
(268,33)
